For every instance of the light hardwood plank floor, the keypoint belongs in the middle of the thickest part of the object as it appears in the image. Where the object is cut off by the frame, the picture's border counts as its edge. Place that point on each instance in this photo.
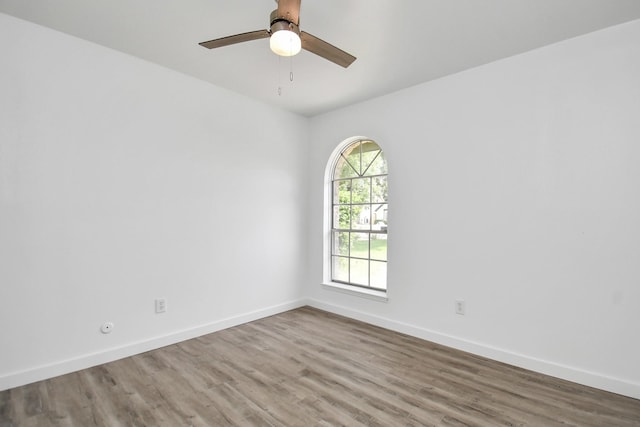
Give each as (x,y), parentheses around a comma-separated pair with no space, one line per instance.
(307,367)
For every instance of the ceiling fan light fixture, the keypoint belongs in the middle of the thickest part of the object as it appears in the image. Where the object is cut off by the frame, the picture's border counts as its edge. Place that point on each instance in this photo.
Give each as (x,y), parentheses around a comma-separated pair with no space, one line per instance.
(285,43)
(286,39)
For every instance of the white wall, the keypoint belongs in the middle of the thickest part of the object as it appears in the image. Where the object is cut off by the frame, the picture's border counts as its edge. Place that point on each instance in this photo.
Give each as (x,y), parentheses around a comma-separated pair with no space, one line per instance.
(120,182)
(515,187)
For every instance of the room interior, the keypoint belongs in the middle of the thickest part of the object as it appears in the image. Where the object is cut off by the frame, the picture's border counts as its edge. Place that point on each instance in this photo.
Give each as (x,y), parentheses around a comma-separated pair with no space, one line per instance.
(137,165)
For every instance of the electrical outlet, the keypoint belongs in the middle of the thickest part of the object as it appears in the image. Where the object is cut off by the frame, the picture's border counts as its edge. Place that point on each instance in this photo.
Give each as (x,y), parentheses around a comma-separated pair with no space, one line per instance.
(460,307)
(161,305)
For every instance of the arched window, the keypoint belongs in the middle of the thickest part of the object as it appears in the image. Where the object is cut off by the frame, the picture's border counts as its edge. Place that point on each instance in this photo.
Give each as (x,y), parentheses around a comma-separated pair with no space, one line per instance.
(358,241)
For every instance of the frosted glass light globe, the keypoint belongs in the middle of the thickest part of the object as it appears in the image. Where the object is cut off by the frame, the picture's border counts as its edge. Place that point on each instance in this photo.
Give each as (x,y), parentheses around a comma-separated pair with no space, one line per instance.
(285,43)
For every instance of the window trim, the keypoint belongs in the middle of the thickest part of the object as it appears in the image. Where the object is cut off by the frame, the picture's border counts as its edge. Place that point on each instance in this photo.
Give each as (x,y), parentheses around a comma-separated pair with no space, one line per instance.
(327,283)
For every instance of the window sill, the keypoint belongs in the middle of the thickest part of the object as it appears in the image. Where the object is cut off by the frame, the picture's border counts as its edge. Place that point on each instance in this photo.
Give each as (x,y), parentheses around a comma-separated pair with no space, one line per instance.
(356,291)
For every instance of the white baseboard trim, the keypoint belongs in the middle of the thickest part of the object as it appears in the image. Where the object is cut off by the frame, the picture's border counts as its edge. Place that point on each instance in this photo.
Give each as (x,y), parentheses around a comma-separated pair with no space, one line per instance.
(591,379)
(55,369)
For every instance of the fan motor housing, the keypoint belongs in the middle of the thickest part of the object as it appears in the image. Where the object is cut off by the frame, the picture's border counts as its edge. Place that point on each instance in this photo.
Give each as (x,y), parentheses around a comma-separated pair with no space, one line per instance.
(281,23)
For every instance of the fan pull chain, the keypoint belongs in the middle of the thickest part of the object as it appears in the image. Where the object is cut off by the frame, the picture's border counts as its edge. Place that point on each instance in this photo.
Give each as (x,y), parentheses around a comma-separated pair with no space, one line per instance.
(278,74)
(291,68)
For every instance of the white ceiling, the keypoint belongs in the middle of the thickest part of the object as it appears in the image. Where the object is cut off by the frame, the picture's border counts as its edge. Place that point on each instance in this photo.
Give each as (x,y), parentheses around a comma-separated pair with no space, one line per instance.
(398,43)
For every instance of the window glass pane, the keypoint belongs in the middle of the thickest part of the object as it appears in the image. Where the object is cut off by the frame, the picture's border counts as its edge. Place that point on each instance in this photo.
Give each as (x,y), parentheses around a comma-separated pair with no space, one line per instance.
(359,272)
(340,269)
(340,243)
(379,246)
(344,169)
(379,190)
(361,190)
(369,163)
(360,245)
(369,149)
(341,217)
(379,275)
(379,217)
(353,158)
(361,217)
(342,192)
(378,165)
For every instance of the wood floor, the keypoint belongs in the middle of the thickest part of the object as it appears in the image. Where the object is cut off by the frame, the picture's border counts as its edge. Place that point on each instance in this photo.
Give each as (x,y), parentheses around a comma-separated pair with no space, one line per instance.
(310,368)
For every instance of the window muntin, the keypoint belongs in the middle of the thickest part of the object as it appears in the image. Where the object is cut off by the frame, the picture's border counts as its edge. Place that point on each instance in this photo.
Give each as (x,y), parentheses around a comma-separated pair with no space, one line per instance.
(359,216)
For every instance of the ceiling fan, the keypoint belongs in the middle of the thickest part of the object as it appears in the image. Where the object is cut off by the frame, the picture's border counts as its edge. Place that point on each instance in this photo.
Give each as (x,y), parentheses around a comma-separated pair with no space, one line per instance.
(286,37)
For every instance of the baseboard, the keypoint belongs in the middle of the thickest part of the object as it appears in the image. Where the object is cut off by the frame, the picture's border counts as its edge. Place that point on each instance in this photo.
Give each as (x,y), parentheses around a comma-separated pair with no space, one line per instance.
(603,382)
(591,379)
(55,369)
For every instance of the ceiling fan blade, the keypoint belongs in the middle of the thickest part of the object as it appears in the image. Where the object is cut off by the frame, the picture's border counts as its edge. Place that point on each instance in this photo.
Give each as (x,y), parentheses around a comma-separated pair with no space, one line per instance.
(326,50)
(289,10)
(238,38)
